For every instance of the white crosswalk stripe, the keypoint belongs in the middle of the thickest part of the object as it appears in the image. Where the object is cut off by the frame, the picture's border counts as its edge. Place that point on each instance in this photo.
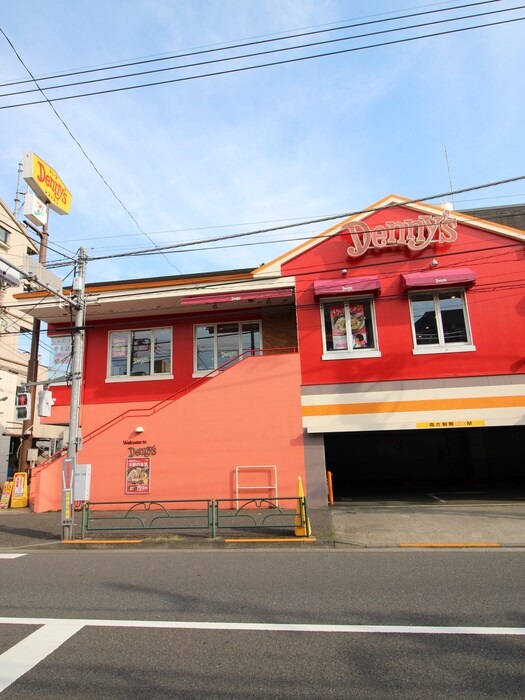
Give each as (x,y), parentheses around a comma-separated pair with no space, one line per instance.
(22,657)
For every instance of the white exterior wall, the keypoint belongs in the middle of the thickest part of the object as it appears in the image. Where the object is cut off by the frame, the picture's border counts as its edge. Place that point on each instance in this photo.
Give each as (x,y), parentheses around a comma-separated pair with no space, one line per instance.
(406,405)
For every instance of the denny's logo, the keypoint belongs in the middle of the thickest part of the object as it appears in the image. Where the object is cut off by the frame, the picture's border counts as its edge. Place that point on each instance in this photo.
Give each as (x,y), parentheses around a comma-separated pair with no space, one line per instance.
(46,184)
(415,234)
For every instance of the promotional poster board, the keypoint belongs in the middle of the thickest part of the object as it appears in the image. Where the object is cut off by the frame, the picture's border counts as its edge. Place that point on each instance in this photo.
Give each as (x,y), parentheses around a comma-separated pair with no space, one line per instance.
(6,494)
(138,475)
(19,497)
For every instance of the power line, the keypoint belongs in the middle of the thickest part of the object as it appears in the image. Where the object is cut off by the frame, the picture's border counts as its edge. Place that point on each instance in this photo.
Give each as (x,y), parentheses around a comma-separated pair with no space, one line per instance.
(297,239)
(77,142)
(441,195)
(263,65)
(267,52)
(244,44)
(187,246)
(54,250)
(254,223)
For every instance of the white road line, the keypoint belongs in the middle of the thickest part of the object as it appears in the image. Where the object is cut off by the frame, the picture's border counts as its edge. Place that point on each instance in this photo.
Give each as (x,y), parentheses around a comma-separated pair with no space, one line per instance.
(7,555)
(263,626)
(22,657)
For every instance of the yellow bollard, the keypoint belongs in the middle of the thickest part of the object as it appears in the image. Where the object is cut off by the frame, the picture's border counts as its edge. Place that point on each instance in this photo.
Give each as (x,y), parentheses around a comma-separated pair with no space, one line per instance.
(302,522)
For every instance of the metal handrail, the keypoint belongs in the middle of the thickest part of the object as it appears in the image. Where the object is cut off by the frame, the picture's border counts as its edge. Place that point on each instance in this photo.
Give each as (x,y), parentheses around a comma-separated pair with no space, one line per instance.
(144,412)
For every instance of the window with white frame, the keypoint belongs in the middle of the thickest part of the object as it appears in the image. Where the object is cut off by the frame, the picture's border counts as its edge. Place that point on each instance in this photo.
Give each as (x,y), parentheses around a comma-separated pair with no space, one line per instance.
(349,329)
(219,344)
(440,321)
(4,234)
(140,353)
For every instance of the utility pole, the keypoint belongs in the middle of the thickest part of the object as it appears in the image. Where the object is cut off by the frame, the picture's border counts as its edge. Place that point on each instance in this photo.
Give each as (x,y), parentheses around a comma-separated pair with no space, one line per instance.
(77,363)
(32,368)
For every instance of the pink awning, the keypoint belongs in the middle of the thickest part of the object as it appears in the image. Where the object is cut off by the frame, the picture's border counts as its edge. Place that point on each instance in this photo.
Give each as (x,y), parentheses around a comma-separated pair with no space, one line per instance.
(436,278)
(237,296)
(342,286)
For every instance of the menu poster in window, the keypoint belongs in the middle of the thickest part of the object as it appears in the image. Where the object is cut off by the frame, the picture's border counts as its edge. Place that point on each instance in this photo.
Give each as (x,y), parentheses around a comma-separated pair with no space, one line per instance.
(119,346)
(337,317)
(357,321)
(137,475)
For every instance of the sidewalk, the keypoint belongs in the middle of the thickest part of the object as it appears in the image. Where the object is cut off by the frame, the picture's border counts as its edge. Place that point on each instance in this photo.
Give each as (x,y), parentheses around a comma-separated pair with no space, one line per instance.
(22,529)
(359,525)
(394,525)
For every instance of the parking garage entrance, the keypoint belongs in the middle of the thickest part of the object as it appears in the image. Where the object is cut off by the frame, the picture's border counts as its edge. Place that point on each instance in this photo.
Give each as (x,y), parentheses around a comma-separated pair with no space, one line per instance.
(458,462)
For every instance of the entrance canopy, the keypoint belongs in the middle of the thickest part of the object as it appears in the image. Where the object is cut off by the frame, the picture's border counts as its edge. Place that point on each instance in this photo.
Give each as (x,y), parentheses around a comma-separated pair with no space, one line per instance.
(341,287)
(463,276)
(236,296)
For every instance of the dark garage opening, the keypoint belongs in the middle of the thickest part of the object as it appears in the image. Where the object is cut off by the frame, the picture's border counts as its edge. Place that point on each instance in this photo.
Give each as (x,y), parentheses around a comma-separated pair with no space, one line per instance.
(484,462)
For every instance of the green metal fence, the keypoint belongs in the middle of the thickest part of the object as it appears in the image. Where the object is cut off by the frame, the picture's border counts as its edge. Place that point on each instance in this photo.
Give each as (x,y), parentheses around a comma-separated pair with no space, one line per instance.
(112,516)
(257,513)
(196,514)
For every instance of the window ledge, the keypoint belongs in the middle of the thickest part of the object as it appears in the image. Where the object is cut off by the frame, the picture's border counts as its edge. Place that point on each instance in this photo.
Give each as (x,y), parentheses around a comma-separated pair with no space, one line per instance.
(442,349)
(349,355)
(206,373)
(140,378)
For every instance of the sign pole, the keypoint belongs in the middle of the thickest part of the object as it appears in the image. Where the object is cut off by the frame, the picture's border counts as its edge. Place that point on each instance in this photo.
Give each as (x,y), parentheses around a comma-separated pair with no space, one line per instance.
(74,442)
(32,368)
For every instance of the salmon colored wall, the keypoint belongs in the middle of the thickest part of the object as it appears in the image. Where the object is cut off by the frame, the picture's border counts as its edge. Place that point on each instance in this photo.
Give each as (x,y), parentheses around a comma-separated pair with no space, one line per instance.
(247,415)
(495,303)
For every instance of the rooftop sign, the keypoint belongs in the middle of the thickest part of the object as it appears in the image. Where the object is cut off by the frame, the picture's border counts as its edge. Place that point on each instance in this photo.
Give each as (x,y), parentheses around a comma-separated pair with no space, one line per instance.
(415,234)
(45,183)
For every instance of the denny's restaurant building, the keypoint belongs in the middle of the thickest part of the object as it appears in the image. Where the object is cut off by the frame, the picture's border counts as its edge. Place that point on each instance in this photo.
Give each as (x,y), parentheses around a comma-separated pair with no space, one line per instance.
(387,350)
(411,322)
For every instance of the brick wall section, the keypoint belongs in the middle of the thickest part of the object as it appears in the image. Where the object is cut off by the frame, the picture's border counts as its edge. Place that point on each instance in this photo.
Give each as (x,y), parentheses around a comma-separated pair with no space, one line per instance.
(279,328)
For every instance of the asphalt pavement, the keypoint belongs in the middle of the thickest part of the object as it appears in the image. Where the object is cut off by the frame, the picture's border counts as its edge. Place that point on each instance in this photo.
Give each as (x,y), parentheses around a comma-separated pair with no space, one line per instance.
(365,524)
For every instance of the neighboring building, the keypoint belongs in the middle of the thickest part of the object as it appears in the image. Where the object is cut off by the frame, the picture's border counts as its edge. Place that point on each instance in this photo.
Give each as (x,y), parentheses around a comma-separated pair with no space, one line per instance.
(387,350)
(15,342)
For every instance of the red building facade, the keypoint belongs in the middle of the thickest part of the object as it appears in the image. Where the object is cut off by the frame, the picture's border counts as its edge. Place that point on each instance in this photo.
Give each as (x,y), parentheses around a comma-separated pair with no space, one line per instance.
(388,350)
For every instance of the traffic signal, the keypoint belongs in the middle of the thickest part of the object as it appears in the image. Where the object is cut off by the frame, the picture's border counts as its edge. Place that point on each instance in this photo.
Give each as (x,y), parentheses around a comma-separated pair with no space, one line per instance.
(23,405)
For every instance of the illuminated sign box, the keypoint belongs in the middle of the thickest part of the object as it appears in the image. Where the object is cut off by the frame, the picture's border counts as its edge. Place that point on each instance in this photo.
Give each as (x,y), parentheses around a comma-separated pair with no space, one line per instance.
(34,209)
(45,183)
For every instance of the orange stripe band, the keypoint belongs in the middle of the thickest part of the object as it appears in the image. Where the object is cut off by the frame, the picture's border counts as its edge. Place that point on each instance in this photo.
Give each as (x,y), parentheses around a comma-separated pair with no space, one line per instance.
(415,406)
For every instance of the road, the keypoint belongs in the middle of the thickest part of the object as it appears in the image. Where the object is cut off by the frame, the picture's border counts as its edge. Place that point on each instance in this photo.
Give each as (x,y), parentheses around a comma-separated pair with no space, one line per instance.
(288,624)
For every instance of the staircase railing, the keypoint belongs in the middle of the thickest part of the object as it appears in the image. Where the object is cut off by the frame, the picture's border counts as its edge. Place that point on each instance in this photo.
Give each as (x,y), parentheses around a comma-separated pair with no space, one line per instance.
(145,412)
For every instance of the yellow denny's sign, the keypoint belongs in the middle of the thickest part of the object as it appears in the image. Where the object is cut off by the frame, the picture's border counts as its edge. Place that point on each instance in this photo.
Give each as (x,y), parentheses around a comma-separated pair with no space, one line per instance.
(44,182)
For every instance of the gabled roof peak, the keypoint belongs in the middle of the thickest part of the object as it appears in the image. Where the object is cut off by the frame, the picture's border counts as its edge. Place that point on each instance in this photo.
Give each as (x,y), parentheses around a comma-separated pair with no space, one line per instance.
(273,268)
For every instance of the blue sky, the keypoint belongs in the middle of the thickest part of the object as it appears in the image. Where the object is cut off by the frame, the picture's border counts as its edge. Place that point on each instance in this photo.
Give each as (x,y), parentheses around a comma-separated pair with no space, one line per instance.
(231,153)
